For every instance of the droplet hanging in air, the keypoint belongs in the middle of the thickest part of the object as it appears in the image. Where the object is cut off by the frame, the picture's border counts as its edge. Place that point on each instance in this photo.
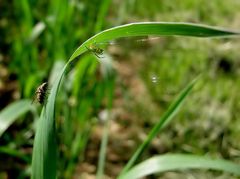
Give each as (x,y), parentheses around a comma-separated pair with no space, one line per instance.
(154,79)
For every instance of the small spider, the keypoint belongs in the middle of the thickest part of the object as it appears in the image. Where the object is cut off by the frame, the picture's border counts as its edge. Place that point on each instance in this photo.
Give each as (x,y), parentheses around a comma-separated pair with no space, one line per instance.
(41,93)
(95,49)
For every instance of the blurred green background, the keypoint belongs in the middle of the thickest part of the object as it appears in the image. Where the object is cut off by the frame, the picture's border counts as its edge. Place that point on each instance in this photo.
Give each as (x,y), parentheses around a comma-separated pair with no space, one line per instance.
(132,87)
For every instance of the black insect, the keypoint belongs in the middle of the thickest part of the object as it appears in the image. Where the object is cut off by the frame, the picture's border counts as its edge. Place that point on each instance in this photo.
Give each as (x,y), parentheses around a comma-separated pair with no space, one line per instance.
(95,49)
(41,93)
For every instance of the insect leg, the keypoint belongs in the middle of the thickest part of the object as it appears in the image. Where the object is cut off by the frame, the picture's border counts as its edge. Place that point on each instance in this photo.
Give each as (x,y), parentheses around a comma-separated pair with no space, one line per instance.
(88,48)
(97,55)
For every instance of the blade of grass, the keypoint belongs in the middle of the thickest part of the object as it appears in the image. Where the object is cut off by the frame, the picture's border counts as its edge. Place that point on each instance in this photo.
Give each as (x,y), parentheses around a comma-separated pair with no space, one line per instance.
(45,149)
(164,120)
(36,31)
(14,153)
(109,85)
(101,14)
(169,162)
(102,152)
(155,29)
(12,112)
(44,160)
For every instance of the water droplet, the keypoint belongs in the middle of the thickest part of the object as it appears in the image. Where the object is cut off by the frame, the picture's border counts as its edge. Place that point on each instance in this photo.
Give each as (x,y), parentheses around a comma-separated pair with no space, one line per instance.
(154,78)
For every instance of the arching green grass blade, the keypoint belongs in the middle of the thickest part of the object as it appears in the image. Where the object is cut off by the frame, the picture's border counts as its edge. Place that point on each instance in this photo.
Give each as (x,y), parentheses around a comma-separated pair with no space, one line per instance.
(45,147)
(9,114)
(170,162)
(155,29)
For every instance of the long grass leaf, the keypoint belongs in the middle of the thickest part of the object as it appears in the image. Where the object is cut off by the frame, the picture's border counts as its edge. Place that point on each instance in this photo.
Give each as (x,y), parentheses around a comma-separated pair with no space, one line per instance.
(155,29)
(44,160)
(170,162)
(45,149)
(12,112)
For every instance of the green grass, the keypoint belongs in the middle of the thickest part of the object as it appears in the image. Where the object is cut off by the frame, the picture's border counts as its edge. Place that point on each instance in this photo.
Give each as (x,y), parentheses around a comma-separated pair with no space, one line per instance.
(44,34)
(12,112)
(164,120)
(168,162)
(45,146)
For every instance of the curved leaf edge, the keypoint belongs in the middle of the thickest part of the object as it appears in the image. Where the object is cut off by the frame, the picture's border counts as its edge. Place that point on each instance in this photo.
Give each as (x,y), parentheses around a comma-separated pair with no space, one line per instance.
(171,162)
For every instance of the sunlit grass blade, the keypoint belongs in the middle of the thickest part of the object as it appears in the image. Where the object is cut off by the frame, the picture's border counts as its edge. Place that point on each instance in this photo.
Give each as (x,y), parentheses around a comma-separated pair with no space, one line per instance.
(166,118)
(12,112)
(154,29)
(170,162)
(45,149)
(36,31)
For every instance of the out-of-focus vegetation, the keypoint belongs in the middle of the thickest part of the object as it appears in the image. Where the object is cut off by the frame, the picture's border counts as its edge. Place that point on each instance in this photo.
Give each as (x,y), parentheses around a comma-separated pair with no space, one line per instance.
(38,37)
